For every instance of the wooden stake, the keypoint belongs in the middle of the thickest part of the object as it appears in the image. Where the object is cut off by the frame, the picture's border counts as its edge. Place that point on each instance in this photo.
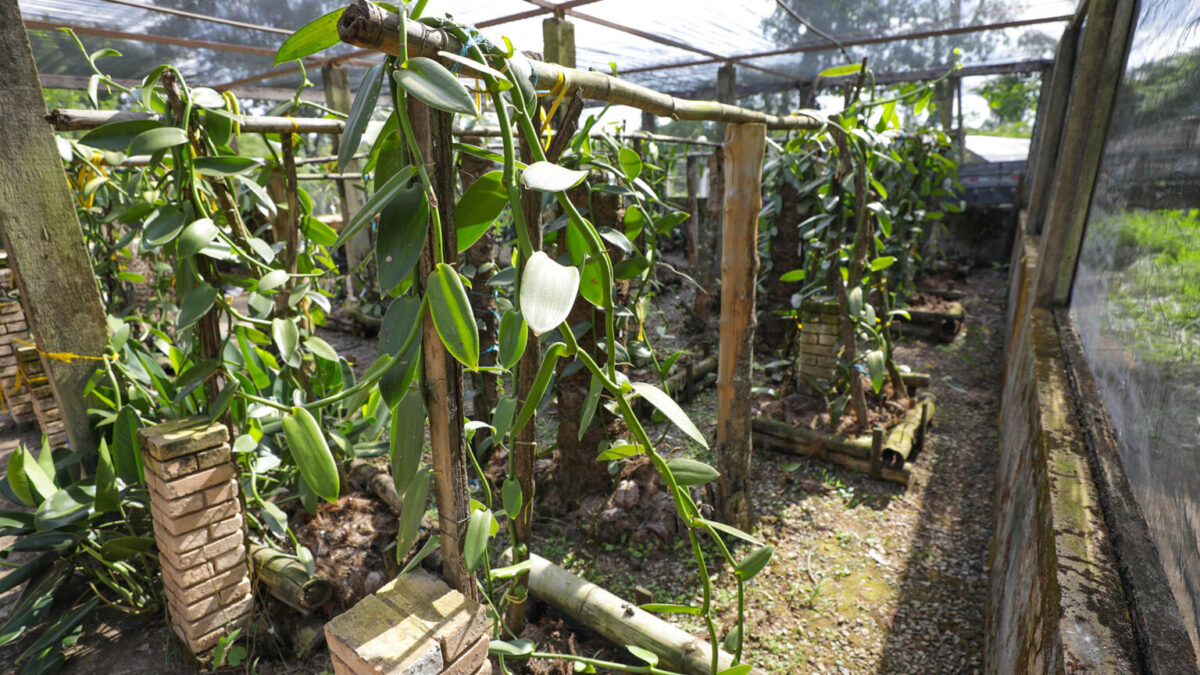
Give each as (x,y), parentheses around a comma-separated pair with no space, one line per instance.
(693,208)
(358,249)
(744,148)
(443,374)
(42,236)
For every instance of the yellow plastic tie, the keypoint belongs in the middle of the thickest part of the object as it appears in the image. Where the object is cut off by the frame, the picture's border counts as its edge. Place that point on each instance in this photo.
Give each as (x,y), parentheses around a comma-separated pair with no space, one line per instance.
(560,91)
(65,357)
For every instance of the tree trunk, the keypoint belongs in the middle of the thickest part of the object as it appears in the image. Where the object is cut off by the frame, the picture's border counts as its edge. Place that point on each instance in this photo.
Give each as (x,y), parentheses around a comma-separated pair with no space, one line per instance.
(785,256)
(42,236)
(744,147)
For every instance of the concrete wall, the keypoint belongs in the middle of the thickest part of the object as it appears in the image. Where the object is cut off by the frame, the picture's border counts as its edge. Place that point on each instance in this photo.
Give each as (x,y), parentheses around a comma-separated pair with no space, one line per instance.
(1056,600)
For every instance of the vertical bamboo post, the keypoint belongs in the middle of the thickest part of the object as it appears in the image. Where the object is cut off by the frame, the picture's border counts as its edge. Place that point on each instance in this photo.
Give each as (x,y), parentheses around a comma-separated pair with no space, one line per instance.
(443,374)
(709,239)
(42,236)
(744,148)
(339,98)
(693,208)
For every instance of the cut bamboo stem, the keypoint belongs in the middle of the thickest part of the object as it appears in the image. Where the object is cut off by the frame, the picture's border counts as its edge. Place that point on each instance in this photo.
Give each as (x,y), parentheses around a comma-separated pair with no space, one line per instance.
(285,578)
(908,433)
(370,26)
(852,453)
(620,621)
(63,119)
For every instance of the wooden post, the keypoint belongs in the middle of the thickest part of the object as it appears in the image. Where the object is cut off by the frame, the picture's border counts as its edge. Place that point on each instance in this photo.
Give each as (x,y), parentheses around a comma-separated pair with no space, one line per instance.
(1039,130)
(338,97)
(443,374)
(1058,290)
(1048,130)
(709,238)
(42,236)
(693,208)
(744,148)
(1087,118)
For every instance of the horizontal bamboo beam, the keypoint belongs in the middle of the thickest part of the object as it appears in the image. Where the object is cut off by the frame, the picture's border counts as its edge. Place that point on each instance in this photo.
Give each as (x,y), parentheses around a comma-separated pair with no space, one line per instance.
(364,24)
(80,83)
(64,119)
(494,132)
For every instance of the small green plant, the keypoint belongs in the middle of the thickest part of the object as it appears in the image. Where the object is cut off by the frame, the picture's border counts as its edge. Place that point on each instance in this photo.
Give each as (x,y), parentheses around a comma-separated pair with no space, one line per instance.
(227,653)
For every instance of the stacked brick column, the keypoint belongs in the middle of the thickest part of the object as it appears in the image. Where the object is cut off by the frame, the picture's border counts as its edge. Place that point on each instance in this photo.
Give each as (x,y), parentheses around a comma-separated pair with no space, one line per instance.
(41,396)
(415,625)
(199,528)
(818,340)
(12,325)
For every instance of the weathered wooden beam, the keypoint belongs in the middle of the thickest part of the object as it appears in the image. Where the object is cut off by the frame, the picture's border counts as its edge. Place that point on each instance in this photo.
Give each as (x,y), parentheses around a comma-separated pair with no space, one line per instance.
(42,235)
(368,25)
(1048,130)
(358,248)
(744,148)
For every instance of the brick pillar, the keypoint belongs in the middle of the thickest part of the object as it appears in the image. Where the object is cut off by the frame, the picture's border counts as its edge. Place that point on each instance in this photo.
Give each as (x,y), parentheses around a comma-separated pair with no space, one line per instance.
(17,401)
(36,385)
(818,341)
(415,625)
(199,528)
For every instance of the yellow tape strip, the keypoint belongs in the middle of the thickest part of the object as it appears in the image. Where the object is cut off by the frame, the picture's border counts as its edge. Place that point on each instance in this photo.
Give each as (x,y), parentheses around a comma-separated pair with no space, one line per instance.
(65,357)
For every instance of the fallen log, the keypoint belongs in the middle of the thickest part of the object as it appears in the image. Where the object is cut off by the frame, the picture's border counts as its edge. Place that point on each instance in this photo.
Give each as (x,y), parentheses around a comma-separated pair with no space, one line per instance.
(852,453)
(286,578)
(686,381)
(936,325)
(915,380)
(379,482)
(909,433)
(620,621)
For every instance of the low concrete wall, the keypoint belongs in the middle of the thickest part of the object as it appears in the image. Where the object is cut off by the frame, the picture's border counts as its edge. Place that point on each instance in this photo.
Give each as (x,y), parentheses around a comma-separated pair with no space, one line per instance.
(1056,600)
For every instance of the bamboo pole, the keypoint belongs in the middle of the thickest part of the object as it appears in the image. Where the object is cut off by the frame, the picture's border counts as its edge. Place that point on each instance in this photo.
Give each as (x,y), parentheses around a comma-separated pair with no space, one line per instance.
(908,434)
(619,621)
(286,578)
(368,25)
(64,119)
(853,454)
(744,148)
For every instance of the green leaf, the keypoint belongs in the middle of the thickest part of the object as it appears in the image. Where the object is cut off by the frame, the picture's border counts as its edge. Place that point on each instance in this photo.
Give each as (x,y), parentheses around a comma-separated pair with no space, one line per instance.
(107,495)
(520,647)
(162,227)
(117,136)
(512,570)
(224,166)
(631,267)
(794,275)
(127,458)
(431,544)
(365,100)
(63,508)
(511,492)
(854,302)
(667,406)
(540,382)
(730,530)
(631,164)
(619,452)
(754,563)
(272,280)
(477,537)
(452,315)
(643,654)
(195,237)
(882,263)
(741,669)
(876,369)
(548,177)
(672,609)
(60,629)
(591,285)
(224,399)
(195,305)
(414,501)
(152,140)
(311,452)
(314,36)
(514,336)
(502,417)
(635,220)
(408,438)
(398,322)
(431,83)
(382,197)
(840,71)
(479,207)
(321,348)
(548,292)
(668,222)
(691,472)
(589,406)
(501,79)
(287,339)
(123,548)
(23,573)
(403,226)
(18,480)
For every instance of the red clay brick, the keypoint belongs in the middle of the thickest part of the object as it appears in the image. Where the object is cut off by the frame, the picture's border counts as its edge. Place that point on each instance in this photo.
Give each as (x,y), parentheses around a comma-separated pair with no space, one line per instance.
(456,621)
(184,436)
(196,482)
(225,527)
(471,660)
(197,519)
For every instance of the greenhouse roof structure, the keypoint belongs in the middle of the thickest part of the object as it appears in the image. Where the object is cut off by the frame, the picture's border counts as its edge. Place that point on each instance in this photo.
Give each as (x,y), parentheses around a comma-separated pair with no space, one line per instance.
(675,46)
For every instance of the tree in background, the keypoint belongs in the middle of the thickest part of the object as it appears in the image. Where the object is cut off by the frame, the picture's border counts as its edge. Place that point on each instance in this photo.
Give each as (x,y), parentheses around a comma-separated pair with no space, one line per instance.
(1012,100)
